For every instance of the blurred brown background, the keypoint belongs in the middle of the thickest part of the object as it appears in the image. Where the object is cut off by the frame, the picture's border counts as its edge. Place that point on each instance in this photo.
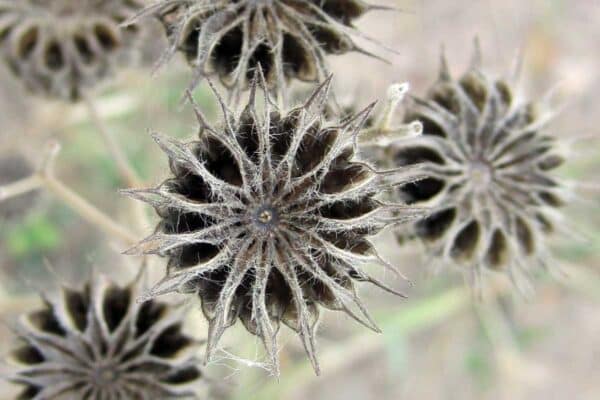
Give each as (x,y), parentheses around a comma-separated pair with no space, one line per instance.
(438,344)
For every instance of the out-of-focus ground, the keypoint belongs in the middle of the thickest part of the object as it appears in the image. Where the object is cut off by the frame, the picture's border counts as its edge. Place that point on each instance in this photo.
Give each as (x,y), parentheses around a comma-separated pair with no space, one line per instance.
(438,344)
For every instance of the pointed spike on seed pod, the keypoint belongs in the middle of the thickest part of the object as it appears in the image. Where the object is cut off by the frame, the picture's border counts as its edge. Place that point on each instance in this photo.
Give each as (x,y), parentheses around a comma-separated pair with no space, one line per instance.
(216,329)
(516,69)
(151,196)
(259,77)
(355,123)
(477,58)
(308,341)
(316,103)
(368,53)
(222,104)
(376,7)
(444,73)
(200,117)
(164,286)
(143,13)
(257,80)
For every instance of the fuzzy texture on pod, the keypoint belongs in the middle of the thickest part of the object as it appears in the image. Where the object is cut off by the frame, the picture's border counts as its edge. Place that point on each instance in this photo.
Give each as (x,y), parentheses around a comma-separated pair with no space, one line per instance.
(98,342)
(14,167)
(267,219)
(288,38)
(60,48)
(490,167)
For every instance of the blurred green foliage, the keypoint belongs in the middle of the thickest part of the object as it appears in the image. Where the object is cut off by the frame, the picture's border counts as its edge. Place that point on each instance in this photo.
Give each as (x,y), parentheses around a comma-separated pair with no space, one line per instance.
(36,235)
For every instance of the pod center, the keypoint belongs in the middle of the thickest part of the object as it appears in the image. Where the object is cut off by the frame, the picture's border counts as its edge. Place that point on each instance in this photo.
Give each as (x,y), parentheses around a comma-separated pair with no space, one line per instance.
(104,377)
(481,175)
(266,217)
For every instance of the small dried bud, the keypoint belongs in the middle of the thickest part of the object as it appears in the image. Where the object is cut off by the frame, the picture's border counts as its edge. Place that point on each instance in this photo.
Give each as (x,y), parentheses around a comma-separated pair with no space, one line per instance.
(267,219)
(100,343)
(490,174)
(61,47)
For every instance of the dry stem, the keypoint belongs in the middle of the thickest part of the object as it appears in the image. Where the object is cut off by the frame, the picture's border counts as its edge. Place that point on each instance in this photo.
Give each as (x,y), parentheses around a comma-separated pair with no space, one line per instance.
(128,174)
(125,170)
(383,132)
(20,187)
(44,177)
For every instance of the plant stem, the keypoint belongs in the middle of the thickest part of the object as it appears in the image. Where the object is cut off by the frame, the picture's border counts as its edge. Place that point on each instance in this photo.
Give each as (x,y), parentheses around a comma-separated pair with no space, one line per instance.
(20,187)
(125,170)
(44,177)
(88,211)
(128,174)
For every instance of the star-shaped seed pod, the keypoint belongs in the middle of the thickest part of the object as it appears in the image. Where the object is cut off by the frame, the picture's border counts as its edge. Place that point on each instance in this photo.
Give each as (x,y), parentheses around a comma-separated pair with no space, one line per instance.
(288,38)
(99,342)
(491,183)
(267,219)
(60,48)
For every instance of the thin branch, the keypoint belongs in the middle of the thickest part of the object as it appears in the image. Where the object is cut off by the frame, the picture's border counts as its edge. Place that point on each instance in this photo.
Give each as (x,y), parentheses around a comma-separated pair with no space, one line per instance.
(88,211)
(44,177)
(20,187)
(383,132)
(127,173)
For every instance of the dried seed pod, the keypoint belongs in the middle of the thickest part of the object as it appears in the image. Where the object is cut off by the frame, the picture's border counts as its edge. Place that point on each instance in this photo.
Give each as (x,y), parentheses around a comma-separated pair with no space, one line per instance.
(267,219)
(490,177)
(100,343)
(60,48)
(288,38)
(14,167)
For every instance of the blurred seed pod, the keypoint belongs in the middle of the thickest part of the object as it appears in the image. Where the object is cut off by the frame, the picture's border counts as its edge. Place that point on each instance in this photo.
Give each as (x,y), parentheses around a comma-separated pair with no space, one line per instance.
(14,167)
(490,174)
(290,39)
(60,48)
(267,218)
(98,342)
